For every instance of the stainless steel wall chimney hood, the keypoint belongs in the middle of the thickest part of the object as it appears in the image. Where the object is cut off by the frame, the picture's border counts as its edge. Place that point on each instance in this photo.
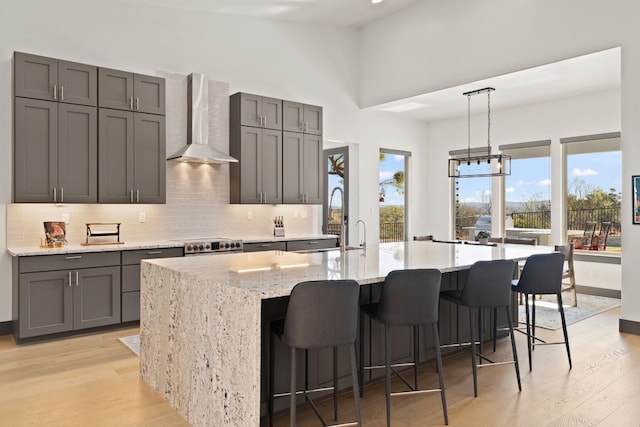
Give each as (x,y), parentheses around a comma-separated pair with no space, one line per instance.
(198,149)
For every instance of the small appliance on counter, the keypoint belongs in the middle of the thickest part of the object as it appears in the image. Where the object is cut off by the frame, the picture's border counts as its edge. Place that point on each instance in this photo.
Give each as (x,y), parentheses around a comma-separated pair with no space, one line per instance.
(211,245)
(278,228)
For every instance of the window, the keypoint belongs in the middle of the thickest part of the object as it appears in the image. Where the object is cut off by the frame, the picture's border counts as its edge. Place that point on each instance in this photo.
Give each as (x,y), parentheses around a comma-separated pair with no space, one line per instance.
(472,202)
(527,191)
(593,191)
(392,195)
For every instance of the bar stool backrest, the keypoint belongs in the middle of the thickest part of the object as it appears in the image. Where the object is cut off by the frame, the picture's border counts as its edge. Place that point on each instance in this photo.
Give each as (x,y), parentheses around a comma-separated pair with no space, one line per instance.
(542,274)
(410,297)
(322,313)
(488,284)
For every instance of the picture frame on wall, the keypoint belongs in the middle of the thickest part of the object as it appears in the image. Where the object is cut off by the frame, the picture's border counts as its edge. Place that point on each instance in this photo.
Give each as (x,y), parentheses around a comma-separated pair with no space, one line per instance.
(635,185)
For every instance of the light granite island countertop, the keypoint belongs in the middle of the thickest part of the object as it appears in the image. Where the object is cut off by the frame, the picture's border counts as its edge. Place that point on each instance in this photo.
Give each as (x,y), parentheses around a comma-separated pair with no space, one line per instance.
(201,316)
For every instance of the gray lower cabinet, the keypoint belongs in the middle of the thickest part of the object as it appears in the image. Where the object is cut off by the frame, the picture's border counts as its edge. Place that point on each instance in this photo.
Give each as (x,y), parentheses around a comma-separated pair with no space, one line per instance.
(60,293)
(257,177)
(298,117)
(51,79)
(131,277)
(55,152)
(132,157)
(311,244)
(302,168)
(123,90)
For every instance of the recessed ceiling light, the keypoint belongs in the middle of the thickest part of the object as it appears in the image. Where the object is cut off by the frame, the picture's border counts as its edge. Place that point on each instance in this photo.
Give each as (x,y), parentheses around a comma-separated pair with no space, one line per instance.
(376,1)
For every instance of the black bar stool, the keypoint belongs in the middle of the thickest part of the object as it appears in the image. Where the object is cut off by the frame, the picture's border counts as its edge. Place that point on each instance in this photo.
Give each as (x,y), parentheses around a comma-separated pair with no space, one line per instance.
(320,314)
(408,298)
(488,285)
(542,275)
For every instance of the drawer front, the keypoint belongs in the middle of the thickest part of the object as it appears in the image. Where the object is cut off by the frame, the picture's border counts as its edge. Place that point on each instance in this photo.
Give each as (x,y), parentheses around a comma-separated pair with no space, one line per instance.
(134,257)
(302,245)
(264,246)
(68,261)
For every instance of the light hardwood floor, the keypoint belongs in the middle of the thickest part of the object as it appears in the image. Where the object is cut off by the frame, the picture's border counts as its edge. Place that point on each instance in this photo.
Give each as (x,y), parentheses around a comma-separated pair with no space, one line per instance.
(93,380)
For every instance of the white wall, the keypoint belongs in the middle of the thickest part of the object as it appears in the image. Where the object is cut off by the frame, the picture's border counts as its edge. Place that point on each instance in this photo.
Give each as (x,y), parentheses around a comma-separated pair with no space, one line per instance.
(300,62)
(436,44)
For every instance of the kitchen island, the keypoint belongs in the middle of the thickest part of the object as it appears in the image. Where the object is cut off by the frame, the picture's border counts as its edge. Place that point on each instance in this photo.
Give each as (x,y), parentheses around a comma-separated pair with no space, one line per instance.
(201,316)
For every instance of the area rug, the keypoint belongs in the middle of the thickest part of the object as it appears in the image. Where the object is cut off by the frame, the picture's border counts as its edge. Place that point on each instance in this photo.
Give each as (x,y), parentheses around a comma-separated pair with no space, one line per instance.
(133,342)
(548,317)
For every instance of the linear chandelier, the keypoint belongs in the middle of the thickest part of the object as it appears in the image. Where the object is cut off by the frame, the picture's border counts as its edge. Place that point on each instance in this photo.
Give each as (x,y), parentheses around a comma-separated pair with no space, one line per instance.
(481,164)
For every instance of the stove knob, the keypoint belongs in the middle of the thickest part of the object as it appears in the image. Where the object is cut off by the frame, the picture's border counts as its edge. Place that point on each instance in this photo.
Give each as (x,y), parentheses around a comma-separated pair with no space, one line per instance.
(226,246)
(189,248)
(237,244)
(201,247)
(207,246)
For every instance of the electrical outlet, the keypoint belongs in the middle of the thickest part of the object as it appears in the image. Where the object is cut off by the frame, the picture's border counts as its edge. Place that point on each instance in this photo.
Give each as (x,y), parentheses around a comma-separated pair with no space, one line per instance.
(142,216)
(65,218)
(249,216)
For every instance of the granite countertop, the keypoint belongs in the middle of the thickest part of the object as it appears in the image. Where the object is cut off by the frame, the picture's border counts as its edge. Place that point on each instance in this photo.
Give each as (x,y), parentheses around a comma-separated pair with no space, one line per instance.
(78,248)
(152,244)
(260,239)
(273,273)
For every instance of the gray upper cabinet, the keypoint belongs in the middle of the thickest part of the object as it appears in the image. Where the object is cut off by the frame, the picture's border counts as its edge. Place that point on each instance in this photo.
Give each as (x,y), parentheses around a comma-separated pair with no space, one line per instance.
(302,168)
(298,117)
(55,152)
(123,90)
(132,156)
(257,111)
(50,79)
(275,166)
(257,177)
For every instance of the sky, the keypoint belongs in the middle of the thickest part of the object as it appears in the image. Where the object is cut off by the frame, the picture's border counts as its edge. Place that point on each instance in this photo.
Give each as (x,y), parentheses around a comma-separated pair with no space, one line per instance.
(530,178)
(392,163)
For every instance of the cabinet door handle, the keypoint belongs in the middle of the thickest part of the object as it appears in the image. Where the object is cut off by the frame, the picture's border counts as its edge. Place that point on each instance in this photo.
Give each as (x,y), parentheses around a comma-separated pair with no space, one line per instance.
(137,103)
(73,257)
(131,102)
(154,252)
(55,92)
(131,195)
(265,245)
(312,243)
(137,196)
(69,280)
(265,197)
(61,93)
(61,192)
(77,278)
(306,126)
(55,195)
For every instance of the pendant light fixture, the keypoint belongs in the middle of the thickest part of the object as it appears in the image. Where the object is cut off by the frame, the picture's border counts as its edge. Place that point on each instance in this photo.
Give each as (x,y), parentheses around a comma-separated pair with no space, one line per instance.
(479,165)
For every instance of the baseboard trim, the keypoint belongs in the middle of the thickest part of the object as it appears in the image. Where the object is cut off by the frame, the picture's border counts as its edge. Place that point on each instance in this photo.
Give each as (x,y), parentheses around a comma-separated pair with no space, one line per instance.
(599,292)
(629,327)
(6,328)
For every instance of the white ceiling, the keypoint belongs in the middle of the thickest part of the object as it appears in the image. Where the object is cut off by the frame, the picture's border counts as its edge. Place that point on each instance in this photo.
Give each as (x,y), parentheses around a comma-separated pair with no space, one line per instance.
(586,74)
(591,73)
(351,13)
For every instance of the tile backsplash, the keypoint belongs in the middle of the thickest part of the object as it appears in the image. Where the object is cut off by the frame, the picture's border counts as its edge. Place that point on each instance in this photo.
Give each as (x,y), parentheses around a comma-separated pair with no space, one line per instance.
(197,194)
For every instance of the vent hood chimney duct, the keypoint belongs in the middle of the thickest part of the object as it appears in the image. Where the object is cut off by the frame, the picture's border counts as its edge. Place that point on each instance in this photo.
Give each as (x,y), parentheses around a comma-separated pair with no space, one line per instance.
(198,149)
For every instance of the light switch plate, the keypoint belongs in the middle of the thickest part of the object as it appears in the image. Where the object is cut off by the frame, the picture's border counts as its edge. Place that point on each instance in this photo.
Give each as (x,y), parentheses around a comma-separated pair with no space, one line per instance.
(249,216)
(142,216)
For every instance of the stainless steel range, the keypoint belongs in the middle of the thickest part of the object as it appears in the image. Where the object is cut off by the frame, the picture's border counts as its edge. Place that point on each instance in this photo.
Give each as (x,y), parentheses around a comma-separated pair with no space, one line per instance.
(211,245)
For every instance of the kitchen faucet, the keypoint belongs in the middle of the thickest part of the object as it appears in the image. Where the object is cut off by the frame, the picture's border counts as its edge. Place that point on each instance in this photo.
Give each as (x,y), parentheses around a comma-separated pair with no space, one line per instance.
(341,237)
(364,236)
